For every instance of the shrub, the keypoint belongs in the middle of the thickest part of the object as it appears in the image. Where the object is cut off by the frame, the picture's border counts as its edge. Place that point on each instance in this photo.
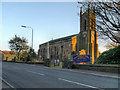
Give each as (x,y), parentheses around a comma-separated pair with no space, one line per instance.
(111,56)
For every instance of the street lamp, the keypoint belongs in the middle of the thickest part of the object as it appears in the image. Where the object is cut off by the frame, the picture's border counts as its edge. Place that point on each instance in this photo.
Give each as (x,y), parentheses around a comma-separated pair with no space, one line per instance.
(32,32)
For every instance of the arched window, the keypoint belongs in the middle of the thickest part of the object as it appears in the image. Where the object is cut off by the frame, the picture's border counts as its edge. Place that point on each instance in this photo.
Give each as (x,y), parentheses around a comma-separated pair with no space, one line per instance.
(85,25)
(55,52)
(44,52)
(92,24)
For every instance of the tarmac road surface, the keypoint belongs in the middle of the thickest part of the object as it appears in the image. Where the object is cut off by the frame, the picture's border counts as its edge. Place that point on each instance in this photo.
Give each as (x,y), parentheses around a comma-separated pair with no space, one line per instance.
(20,75)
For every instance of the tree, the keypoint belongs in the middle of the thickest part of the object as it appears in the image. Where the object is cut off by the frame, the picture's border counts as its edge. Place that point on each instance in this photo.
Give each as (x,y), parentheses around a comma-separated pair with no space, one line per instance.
(107,19)
(18,45)
(112,56)
(32,52)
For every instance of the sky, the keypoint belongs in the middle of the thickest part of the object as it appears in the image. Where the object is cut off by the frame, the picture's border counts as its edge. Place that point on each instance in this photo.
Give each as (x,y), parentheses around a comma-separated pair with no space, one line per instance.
(49,20)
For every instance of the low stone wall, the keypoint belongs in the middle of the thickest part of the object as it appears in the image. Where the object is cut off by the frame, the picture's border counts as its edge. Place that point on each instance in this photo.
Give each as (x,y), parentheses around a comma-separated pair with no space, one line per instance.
(29,62)
(34,62)
(98,67)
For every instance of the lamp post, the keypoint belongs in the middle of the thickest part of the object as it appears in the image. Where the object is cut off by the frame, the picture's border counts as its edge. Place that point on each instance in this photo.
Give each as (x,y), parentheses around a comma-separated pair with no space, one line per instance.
(32,32)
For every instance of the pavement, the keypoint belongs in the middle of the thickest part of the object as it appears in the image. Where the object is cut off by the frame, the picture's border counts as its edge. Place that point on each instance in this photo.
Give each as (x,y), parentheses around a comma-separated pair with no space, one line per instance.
(20,75)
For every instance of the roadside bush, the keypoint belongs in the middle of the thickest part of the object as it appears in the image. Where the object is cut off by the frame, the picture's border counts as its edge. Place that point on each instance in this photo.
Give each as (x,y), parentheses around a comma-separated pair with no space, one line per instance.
(47,62)
(111,56)
(64,63)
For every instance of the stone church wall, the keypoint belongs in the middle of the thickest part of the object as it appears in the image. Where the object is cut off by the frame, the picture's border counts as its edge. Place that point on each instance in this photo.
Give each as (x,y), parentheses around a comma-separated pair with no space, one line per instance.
(57,50)
(86,40)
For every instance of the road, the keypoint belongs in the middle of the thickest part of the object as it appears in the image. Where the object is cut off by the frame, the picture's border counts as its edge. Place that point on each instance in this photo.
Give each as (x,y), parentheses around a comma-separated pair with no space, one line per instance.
(20,75)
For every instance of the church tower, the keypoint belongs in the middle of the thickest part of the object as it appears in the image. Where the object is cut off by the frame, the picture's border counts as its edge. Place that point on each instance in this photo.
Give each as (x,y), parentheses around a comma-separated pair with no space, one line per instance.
(87,38)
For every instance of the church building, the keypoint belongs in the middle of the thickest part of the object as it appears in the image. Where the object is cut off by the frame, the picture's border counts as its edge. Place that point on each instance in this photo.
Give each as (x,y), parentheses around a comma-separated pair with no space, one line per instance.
(83,43)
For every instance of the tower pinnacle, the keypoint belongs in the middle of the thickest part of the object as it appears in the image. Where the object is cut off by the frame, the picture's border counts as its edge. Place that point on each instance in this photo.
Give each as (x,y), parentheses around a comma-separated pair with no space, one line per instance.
(81,11)
(88,7)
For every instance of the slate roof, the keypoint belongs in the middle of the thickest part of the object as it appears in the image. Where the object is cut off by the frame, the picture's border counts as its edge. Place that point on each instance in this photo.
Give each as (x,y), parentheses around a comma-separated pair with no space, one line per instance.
(61,39)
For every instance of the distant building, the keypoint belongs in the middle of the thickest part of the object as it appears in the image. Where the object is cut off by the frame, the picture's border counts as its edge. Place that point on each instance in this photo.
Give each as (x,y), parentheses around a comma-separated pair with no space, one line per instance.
(1,55)
(83,42)
(8,55)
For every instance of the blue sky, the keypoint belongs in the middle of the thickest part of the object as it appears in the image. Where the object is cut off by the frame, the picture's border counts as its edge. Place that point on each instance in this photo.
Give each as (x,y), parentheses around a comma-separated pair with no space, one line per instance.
(48,20)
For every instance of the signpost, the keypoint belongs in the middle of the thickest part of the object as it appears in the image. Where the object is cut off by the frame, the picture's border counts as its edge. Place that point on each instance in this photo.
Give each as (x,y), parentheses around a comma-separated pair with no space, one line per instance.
(81,59)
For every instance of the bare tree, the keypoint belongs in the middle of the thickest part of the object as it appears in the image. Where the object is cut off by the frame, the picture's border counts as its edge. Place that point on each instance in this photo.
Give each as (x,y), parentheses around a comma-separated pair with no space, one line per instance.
(107,19)
(111,45)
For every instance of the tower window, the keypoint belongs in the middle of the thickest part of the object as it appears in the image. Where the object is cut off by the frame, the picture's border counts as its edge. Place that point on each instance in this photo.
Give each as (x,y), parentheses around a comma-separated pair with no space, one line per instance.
(92,24)
(85,25)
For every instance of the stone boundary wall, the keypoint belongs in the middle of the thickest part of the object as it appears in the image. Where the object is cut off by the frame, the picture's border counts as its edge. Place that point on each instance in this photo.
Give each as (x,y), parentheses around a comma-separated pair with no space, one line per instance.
(98,67)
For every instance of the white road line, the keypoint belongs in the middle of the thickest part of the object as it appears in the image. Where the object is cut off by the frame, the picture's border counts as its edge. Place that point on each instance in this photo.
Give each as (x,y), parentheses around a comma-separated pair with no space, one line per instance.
(16,63)
(95,74)
(99,75)
(7,83)
(46,67)
(85,73)
(102,75)
(70,70)
(33,65)
(77,83)
(88,73)
(36,73)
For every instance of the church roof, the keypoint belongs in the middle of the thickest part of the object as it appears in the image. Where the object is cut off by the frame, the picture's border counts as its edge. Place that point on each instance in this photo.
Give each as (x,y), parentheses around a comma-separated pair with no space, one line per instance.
(61,39)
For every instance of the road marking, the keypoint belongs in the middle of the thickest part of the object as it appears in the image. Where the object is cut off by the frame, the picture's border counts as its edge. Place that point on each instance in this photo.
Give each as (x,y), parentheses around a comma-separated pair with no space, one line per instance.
(92,74)
(46,67)
(16,63)
(36,73)
(70,70)
(98,74)
(33,65)
(77,83)
(102,75)
(87,73)
(7,82)
(84,72)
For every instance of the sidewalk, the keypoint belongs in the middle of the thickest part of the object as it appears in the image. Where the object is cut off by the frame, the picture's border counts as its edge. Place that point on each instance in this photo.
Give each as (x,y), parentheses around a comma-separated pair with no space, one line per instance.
(60,66)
